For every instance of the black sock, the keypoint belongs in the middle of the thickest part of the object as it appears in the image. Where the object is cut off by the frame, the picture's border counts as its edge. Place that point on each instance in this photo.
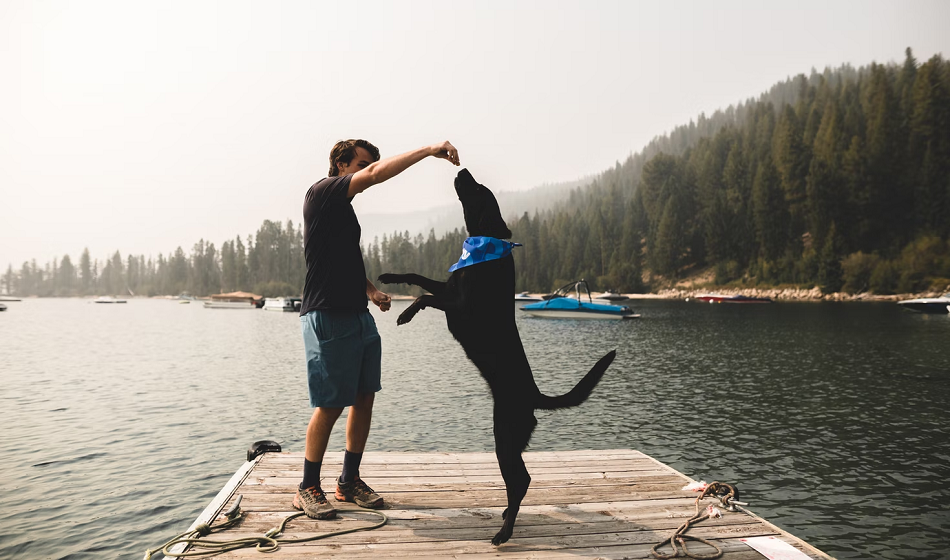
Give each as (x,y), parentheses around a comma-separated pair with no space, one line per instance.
(311,474)
(351,466)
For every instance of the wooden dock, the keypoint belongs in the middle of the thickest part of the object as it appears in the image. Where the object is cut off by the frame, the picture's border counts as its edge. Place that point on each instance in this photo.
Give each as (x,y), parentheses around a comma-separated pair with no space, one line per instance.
(581,504)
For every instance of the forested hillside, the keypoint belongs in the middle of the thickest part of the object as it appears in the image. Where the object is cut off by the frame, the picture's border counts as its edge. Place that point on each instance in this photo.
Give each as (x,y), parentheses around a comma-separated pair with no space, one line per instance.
(839,179)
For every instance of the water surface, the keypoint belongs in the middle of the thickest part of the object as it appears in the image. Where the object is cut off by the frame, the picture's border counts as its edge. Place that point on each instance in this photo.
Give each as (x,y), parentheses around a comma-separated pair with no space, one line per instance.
(121,422)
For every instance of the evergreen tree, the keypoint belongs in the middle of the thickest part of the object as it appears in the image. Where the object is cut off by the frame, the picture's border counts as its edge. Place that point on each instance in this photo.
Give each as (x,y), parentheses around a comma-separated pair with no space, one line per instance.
(85,273)
(829,266)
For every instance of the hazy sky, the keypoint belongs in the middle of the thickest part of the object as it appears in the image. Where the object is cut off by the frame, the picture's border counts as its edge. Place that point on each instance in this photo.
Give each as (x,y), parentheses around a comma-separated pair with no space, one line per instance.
(141,126)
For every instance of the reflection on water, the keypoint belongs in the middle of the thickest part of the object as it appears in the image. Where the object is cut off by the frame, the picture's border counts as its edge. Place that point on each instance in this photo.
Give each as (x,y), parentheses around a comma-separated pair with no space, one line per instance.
(122,422)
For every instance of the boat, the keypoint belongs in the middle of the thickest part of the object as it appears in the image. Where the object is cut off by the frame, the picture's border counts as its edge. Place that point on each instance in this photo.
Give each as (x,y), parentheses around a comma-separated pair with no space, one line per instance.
(722,298)
(9,298)
(282,304)
(561,306)
(108,299)
(234,300)
(611,297)
(928,305)
(3,307)
(525,296)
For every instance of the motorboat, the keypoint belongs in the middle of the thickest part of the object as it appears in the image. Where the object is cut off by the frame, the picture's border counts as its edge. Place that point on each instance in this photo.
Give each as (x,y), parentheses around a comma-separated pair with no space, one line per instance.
(233,300)
(738,298)
(185,298)
(562,306)
(108,299)
(611,297)
(281,304)
(928,305)
(525,296)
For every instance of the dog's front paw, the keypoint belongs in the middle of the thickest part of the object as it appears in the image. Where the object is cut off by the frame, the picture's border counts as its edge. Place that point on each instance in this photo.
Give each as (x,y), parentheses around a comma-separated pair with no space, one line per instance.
(388,278)
(407,315)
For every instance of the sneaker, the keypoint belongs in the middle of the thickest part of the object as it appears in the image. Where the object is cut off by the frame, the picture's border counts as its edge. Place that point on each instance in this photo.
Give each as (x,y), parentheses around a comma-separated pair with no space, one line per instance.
(313,502)
(358,492)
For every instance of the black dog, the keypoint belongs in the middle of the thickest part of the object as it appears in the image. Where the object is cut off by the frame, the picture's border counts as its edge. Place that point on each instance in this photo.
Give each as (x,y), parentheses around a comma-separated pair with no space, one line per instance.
(478,308)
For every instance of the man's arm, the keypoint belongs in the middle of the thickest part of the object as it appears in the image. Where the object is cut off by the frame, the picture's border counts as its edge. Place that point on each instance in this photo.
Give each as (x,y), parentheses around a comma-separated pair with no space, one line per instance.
(385,169)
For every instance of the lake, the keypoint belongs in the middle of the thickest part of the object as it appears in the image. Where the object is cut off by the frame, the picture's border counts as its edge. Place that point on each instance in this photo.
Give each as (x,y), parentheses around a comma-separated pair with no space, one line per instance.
(123,421)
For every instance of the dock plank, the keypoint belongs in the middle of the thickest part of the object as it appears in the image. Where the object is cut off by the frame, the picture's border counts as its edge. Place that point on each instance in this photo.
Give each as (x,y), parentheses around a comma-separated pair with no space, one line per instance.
(581,504)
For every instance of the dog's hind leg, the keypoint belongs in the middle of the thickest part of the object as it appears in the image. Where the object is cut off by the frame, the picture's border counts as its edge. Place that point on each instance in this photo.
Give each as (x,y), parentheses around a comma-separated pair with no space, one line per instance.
(517,480)
(510,440)
(432,286)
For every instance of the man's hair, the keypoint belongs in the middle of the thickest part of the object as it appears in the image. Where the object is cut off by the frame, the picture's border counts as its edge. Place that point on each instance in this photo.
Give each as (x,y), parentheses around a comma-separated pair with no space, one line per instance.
(345,150)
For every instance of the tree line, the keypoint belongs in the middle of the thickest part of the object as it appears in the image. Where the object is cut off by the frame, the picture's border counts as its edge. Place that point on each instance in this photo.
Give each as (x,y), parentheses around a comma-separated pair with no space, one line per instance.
(839,179)
(270,262)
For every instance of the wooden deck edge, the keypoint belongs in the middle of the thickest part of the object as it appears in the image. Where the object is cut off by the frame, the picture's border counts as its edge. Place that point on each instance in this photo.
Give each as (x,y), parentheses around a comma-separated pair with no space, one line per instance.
(768,523)
(219,501)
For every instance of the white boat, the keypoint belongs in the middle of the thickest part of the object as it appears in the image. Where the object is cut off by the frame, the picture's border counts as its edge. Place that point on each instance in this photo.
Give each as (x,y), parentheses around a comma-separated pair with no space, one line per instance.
(560,306)
(928,305)
(229,305)
(281,304)
(234,300)
(730,298)
(611,297)
(108,299)
(525,296)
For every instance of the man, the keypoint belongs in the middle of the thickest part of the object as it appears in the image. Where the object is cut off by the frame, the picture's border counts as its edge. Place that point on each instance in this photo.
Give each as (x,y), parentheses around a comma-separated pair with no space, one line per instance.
(340,338)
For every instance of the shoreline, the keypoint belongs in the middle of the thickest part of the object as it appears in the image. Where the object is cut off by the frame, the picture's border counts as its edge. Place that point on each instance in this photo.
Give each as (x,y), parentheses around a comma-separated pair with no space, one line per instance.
(776,294)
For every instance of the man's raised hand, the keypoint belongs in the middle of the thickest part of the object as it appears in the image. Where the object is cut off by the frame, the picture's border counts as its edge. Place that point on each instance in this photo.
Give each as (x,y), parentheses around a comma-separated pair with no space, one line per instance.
(446,150)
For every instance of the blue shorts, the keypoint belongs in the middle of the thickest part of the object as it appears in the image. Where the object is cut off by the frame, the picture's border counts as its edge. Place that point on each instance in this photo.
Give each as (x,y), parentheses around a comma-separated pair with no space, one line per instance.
(344,353)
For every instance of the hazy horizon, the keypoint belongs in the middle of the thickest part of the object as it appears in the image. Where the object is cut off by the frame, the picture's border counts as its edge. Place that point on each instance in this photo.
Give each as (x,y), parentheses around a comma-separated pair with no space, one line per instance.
(141,128)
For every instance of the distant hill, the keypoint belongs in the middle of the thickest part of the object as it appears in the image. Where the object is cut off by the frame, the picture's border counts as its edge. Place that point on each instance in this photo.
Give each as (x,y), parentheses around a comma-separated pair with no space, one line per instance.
(443,219)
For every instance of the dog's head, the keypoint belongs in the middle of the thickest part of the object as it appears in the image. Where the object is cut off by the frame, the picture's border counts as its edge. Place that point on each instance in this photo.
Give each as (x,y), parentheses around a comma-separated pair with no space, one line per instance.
(482,215)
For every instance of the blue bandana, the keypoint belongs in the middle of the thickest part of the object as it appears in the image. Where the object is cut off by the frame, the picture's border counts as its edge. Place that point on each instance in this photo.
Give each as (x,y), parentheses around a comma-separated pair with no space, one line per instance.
(477,250)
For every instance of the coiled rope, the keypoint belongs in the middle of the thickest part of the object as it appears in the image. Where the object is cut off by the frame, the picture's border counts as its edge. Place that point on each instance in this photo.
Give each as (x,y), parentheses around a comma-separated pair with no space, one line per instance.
(268,542)
(728,496)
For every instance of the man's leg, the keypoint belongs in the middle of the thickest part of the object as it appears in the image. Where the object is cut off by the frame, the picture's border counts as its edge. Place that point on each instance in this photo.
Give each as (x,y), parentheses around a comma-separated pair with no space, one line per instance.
(350,488)
(310,497)
(318,432)
(358,422)
(357,432)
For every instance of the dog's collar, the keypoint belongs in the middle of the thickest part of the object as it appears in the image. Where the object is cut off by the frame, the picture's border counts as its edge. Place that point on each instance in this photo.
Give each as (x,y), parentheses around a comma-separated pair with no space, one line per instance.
(479,249)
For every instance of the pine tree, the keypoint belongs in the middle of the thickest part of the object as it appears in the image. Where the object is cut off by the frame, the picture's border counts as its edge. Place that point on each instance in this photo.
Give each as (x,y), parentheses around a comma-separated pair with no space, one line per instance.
(829,265)
(85,273)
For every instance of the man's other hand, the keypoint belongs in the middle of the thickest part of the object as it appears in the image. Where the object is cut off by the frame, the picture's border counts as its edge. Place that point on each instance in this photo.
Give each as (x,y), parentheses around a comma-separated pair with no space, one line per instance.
(381,300)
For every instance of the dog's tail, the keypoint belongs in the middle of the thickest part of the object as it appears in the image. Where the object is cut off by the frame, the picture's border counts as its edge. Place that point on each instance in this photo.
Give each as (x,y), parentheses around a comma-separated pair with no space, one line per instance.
(582,390)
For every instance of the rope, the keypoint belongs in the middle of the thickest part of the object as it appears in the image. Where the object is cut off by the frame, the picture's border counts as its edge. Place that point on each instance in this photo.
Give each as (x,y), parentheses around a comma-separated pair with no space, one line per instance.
(727,494)
(265,543)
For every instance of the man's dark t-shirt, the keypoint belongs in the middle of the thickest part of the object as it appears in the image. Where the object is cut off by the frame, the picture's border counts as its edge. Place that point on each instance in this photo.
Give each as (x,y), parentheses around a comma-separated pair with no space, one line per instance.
(336,278)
